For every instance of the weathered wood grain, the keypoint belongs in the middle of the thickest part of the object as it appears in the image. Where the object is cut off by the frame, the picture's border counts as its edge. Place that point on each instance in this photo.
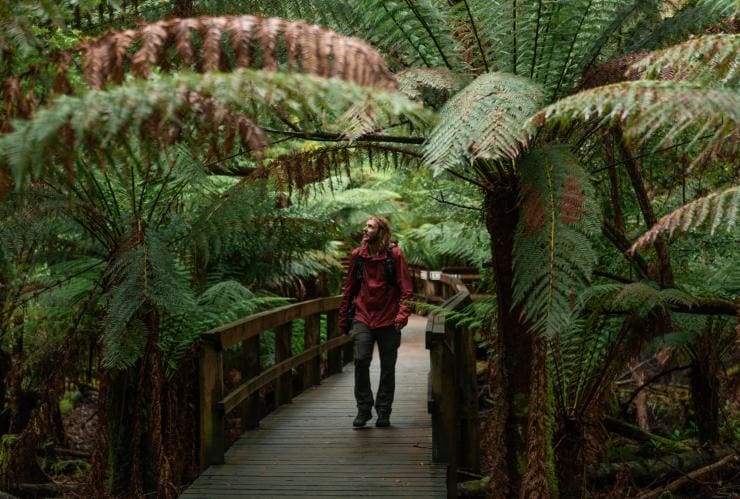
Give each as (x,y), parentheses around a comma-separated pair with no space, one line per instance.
(308,448)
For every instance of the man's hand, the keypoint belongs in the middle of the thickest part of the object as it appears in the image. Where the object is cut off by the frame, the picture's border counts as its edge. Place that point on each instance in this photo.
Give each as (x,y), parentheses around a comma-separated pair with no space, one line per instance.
(398,327)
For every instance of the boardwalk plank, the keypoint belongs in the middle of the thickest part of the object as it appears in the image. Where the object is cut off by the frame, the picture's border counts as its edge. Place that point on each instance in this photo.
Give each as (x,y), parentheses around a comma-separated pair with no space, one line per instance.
(308,448)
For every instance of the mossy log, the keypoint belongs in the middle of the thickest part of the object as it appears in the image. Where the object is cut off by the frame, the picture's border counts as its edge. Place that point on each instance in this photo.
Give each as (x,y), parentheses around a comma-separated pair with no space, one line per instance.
(634,432)
(649,470)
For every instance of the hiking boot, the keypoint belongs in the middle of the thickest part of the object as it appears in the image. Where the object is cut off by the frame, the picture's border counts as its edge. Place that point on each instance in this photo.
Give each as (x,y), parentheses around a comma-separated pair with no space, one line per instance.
(362,418)
(383,421)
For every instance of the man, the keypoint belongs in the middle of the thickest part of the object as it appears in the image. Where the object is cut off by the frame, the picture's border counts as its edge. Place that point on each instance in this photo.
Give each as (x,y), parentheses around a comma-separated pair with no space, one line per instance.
(376,286)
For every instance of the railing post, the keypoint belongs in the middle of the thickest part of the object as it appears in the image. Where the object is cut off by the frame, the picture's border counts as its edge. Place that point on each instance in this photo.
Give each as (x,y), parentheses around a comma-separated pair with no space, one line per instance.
(252,367)
(211,381)
(334,356)
(311,338)
(283,351)
(467,401)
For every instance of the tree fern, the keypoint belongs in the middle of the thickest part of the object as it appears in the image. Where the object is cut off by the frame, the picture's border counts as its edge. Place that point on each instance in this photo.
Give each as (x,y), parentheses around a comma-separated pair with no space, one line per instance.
(144,274)
(710,59)
(414,81)
(411,32)
(708,116)
(553,257)
(484,120)
(309,48)
(156,109)
(691,19)
(712,211)
(642,298)
(429,244)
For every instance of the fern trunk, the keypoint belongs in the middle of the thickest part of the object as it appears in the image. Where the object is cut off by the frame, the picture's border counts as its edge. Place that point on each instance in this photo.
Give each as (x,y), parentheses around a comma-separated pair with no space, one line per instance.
(514,345)
(704,380)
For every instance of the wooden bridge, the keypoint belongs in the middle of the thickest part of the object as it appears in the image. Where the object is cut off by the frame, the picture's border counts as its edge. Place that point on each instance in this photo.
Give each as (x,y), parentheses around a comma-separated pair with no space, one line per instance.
(307,447)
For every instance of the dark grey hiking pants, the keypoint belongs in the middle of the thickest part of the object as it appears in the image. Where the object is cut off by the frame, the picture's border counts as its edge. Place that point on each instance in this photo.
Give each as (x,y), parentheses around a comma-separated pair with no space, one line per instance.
(388,340)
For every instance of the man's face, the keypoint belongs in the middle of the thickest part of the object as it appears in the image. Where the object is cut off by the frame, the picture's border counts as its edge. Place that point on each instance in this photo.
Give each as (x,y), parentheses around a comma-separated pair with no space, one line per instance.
(370,231)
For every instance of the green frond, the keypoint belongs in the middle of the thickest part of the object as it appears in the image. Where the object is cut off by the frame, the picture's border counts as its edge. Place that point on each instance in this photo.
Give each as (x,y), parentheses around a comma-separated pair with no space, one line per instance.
(712,211)
(351,207)
(429,244)
(645,109)
(553,256)
(414,82)
(710,59)
(310,165)
(484,120)
(575,33)
(693,18)
(162,110)
(145,275)
(643,298)
(412,33)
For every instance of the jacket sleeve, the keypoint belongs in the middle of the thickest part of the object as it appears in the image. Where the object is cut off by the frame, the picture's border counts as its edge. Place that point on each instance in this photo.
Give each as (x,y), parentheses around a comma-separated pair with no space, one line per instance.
(403,278)
(347,291)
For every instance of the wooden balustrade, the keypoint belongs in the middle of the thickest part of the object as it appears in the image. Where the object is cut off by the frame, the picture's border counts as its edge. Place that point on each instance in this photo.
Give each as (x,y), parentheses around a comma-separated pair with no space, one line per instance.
(452,391)
(215,404)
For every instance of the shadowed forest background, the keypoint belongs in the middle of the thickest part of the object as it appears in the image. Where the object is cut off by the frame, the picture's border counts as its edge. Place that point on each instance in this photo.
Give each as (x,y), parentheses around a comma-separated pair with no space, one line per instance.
(170,166)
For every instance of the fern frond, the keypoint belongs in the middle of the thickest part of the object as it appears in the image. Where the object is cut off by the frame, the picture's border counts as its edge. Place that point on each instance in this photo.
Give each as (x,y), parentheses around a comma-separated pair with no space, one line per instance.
(712,210)
(649,108)
(310,49)
(484,120)
(145,274)
(309,165)
(410,32)
(159,107)
(707,59)
(642,298)
(429,244)
(693,18)
(414,81)
(553,257)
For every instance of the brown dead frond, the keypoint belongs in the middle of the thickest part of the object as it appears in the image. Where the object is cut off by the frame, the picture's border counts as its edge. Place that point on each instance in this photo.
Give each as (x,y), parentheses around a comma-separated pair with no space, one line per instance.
(309,49)
(571,201)
(713,210)
(616,70)
(534,211)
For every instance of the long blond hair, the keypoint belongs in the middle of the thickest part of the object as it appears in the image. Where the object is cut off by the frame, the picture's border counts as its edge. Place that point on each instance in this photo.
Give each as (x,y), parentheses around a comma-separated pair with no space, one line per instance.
(384,233)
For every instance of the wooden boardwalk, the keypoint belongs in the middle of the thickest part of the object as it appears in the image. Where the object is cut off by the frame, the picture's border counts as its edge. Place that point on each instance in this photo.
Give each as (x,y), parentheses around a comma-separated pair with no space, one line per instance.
(309,449)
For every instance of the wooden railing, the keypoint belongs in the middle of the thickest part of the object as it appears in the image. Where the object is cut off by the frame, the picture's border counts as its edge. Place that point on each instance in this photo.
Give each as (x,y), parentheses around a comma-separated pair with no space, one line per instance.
(215,404)
(452,391)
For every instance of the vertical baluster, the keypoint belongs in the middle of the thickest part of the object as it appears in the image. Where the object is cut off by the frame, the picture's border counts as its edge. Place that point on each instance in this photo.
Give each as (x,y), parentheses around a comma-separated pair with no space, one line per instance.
(283,351)
(332,331)
(211,380)
(312,368)
(252,367)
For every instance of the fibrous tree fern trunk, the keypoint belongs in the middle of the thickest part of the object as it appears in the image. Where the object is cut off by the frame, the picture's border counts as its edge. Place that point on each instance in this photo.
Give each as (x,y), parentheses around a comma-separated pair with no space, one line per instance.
(704,379)
(514,342)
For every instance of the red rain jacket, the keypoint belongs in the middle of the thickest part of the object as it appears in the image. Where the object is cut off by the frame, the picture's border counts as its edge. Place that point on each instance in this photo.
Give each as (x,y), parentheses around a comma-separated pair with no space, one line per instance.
(378,303)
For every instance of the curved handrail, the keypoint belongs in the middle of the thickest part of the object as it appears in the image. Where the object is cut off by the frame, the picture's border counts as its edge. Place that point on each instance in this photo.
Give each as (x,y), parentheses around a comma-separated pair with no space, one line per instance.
(452,393)
(215,404)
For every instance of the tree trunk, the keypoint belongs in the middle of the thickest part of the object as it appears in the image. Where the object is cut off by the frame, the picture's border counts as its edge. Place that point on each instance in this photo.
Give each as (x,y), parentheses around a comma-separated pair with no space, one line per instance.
(704,380)
(514,343)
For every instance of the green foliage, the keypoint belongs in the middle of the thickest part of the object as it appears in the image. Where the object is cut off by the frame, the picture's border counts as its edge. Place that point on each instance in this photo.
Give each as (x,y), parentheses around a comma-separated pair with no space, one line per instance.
(712,210)
(691,19)
(428,244)
(161,105)
(414,33)
(710,59)
(417,82)
(708,116)
(484,120)
(553,257)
